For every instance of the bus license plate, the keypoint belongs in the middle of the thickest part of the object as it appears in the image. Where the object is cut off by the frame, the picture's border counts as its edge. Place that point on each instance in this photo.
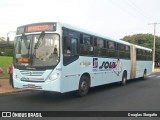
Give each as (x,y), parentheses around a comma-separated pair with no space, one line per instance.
(31,86)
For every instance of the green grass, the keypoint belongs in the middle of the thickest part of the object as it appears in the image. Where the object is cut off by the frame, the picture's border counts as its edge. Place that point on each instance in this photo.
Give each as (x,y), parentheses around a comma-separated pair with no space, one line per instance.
(5,61)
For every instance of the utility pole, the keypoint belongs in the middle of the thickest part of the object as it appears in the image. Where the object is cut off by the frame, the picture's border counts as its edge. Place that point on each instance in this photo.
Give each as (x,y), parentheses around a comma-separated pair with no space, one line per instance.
(8,36)
(154,45)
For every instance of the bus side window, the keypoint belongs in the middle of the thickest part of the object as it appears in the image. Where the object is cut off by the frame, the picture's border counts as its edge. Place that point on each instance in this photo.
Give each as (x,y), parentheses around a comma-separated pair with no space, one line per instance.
(70,46)
(111,49)
(86,45)
(122,52)
(99,47)
(70,50)
(67,46)
(127,49)
(74,46)
(150,58)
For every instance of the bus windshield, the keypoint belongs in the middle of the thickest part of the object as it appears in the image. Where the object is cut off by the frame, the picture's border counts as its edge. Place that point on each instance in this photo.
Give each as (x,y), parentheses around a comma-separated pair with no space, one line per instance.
(37,50)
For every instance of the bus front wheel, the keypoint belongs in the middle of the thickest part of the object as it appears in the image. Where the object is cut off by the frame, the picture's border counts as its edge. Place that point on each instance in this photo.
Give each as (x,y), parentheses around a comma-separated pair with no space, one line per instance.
(83,86)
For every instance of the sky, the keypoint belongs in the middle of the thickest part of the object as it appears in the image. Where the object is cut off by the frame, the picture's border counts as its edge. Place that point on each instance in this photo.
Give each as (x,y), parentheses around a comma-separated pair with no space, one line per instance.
(113,18)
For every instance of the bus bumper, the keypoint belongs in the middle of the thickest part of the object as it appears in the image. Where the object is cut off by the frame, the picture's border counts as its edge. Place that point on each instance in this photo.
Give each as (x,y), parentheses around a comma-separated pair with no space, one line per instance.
(43,86)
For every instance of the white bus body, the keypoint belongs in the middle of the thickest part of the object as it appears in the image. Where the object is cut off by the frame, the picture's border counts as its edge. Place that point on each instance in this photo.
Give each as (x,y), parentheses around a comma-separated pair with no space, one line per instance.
(62,58)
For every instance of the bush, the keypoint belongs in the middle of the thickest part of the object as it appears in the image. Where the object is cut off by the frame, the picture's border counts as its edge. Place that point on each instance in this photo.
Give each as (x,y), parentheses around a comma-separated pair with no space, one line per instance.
(5,61)
(8,52)
(1,53)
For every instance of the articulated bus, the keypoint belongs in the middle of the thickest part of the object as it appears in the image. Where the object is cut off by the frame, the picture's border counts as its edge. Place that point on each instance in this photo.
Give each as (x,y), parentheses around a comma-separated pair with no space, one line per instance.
(58,57)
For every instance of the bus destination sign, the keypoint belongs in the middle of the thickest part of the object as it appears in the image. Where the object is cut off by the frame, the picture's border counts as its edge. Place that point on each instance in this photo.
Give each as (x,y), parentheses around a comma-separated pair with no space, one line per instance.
(37,28)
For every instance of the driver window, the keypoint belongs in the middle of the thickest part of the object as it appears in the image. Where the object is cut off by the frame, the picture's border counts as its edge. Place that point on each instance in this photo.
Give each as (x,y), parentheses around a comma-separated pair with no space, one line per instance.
(70,46)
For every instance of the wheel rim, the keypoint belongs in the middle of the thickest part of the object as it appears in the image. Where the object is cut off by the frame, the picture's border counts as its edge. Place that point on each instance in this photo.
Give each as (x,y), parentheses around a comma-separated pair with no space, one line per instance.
(84,87)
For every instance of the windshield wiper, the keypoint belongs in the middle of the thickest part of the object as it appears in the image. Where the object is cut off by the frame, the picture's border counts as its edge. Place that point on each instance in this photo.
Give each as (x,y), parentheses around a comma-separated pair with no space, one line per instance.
(39,40)
(37,45)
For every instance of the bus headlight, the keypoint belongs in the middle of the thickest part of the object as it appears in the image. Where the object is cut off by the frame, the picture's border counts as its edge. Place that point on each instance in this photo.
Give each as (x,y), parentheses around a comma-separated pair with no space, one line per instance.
(14,75)
(54,76)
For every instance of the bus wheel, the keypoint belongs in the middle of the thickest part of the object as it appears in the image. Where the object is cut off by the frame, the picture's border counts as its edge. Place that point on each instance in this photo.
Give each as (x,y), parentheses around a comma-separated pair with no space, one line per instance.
(124,79)
(83,86)
(144,75)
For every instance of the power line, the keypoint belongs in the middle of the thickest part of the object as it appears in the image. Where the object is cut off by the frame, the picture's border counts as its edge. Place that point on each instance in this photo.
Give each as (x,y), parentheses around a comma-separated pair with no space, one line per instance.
(154,44)
(123,9)
(139,10)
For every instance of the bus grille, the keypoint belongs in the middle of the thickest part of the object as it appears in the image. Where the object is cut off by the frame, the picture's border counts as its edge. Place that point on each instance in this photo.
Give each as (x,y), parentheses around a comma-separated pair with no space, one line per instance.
(32,73)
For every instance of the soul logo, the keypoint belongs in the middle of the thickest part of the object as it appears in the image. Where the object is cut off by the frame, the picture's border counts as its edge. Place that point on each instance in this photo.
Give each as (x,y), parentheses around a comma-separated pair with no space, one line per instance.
(107,65)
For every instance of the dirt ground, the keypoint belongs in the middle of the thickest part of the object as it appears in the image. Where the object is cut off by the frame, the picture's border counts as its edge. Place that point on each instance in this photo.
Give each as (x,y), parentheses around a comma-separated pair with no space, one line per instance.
(157,70)
(5,87)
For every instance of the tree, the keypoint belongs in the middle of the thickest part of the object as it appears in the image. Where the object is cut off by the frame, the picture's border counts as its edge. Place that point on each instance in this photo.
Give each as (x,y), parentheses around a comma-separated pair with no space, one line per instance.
(2,40)
(8,52)
(145,40)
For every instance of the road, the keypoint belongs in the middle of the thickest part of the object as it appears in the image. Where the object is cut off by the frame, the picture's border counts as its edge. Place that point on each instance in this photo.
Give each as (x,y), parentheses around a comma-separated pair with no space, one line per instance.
(137,95)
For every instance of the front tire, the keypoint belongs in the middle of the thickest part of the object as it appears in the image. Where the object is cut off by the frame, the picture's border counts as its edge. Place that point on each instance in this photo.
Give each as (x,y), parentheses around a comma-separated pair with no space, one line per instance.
(83,86)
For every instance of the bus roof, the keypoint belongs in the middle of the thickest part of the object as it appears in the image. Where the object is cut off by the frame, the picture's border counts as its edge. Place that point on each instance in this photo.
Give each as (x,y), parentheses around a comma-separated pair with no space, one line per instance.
(144,48)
